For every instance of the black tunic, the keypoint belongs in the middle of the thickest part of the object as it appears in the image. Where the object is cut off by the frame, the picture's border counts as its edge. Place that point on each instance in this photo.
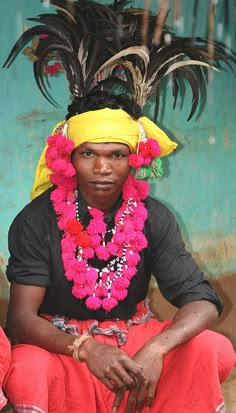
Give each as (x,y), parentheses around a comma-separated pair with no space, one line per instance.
(35,259)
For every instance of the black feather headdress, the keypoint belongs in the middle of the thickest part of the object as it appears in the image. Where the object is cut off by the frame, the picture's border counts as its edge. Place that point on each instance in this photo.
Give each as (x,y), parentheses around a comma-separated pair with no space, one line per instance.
(104,47)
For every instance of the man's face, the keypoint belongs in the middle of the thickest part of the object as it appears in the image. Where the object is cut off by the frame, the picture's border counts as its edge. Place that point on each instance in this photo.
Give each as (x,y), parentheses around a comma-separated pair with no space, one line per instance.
(101,169)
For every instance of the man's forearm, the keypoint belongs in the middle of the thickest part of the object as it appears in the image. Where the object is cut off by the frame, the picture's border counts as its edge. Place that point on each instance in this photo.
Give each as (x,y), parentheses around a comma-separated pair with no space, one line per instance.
(35,330)
(189,321)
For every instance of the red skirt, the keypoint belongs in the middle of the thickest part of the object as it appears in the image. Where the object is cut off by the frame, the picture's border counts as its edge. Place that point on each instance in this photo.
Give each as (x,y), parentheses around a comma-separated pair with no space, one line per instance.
(5,359)
(43,382)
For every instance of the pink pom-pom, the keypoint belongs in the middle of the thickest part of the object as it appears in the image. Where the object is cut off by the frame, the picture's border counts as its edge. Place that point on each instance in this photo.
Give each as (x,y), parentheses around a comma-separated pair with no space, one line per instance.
(129,237)
(154,148)
(78,292)
(69,274)
(141,211)
(61,223)
(119,238)
(93,303)
(70,170)
(66,257)
(102,252)
(69,182)
(132,258)
(121,283)
(95,241)
(140,242)
(69,212)
(112,248)
(129,272)
(119,294)
(59,207)
(92,275)
(79,278)
(51,140)
(53,179)
(147,161)
(128,225)
(63,181)
(96,226)
(59,139)
(58,195)
(136,160)
(66,245)
(109,303)
(135,188)
(79,265)
(142,190)
(128,189)
(67,145)
(88,253)
(138,223)
(96,213)
(59,166)
(51,152)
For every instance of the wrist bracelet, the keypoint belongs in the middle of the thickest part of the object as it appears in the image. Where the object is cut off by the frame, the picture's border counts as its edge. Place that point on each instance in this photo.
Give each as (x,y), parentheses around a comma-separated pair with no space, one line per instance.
(75,347)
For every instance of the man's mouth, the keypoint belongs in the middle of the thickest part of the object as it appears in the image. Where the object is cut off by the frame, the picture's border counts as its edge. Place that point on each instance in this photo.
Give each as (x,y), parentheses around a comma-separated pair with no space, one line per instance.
(102,184)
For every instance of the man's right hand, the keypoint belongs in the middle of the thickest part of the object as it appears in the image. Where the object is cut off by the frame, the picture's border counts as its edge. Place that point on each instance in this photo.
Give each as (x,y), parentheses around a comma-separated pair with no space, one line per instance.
(111,366)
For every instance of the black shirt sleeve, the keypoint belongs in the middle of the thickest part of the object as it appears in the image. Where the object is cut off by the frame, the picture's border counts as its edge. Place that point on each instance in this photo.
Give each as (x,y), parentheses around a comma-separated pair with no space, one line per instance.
(178,276)
(29,250)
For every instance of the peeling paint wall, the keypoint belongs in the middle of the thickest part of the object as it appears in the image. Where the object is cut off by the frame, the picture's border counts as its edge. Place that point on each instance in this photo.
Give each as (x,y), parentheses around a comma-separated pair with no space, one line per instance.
(199,184)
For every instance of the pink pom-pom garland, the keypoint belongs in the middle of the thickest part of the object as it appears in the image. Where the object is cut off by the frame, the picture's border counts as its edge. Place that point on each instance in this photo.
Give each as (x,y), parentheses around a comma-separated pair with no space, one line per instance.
(107,286)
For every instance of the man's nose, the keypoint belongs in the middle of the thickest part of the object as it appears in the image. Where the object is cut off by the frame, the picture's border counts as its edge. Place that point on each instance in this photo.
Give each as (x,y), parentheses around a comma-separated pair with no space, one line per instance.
(102,165)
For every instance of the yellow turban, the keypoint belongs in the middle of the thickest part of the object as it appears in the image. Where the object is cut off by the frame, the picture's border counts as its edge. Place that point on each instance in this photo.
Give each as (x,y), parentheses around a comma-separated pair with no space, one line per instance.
(101,126)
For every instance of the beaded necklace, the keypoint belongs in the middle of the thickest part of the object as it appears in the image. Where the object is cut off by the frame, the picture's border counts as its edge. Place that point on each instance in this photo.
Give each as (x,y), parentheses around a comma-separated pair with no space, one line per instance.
(107,286)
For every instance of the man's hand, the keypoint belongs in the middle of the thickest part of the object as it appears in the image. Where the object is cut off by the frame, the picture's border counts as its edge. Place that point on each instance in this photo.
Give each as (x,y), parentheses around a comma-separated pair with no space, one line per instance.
(190,320)
(151,363)
(112,366)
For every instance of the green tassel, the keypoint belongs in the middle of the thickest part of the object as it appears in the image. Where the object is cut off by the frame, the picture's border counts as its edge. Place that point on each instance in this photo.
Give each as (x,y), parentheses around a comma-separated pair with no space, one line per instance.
(153,171)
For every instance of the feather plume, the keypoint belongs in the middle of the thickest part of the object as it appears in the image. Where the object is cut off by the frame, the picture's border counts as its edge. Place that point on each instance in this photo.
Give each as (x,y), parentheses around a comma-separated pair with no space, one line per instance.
(102,47)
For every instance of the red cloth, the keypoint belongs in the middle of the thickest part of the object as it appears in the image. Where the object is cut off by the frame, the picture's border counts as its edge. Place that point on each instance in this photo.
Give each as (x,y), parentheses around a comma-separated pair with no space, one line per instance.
(43,382)
(5,358)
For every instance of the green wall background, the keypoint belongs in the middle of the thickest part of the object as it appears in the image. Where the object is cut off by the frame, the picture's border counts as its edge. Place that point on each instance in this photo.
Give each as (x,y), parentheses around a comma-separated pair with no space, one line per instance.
(199,184)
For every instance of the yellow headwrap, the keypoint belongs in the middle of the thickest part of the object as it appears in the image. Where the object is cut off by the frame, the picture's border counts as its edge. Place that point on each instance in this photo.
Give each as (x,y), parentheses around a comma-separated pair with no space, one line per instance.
(101,126)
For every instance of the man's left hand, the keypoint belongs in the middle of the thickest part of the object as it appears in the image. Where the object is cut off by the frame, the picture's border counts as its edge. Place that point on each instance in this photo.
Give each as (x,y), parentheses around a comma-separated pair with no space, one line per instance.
(151,362)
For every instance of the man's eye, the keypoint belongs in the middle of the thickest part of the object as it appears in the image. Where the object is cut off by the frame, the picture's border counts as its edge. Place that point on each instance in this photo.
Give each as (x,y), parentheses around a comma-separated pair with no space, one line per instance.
(88,154)
(117,155)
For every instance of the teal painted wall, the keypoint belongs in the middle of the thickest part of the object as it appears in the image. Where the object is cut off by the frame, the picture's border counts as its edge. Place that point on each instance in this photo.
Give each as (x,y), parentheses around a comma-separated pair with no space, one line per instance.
(199,185)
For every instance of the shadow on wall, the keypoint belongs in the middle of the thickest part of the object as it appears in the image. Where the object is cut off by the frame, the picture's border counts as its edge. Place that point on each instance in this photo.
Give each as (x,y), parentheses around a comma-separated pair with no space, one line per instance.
(226,324)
